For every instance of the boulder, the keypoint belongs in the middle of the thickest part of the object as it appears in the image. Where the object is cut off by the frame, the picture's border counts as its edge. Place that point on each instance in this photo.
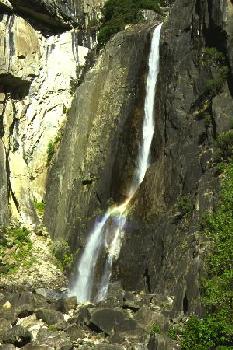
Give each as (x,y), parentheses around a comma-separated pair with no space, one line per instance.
(7,347)
(5,325)
(110,321)
(75,332)
(37,347)
(49,294)
(66,304)
(130,301)
(53,339)
(109,347)
(51,317)
(83,316)
(17,336)
(147,317)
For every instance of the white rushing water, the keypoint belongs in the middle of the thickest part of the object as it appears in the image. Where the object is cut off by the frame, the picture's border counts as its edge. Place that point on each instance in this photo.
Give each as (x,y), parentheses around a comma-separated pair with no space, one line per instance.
(148,121)
(83,286)
(109,231)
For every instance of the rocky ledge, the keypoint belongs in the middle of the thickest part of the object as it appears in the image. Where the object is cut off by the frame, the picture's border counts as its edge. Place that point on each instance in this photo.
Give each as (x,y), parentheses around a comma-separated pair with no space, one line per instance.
(48,319)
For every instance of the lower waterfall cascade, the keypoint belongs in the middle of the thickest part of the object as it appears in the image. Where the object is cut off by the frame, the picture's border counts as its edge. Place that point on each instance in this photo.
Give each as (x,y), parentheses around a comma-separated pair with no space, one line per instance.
(108,231)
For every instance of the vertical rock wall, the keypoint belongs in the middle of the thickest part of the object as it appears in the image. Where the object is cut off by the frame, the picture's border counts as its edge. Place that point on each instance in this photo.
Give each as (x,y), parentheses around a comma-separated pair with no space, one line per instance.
(163,245)
(39,71)
(105,117)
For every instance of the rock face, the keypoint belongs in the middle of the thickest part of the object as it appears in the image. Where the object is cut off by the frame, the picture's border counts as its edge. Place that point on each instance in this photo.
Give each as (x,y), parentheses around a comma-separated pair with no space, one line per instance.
(108,111)
(97,123)
(162,246)
(57,15)
(39,71)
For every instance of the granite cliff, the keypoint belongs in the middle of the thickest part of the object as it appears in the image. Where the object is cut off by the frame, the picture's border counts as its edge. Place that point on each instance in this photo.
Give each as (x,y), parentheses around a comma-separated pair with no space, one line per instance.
(71,120)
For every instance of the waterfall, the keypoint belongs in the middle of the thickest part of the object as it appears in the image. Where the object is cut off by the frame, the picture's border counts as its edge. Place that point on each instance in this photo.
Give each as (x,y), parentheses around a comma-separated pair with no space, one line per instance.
(148,121)
(108,232)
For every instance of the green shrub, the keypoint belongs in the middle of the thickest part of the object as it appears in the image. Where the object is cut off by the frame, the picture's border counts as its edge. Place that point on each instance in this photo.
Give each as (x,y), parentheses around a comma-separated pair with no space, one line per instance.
(185,204)
(216,61)
(53,145)
(40,207)
(215,329)
(225,145)
(204,334)
(155,329)
(211,56)
(118,13)
(173,332)
(15,248)
(50,151)
(61,251)
(214,85)
(108,30)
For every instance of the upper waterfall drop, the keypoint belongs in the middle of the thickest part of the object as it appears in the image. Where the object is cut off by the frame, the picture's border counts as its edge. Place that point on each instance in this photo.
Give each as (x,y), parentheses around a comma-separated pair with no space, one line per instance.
(107,233)
(148,121)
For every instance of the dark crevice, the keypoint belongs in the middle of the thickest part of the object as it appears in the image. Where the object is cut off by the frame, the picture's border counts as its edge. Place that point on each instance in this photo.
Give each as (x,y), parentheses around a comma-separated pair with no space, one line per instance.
(25,313)
(214,126)
(146,281)
(216,37)
(94,328)
(98,198)
(9,189)
(17,87)
(87,182)
(185,304)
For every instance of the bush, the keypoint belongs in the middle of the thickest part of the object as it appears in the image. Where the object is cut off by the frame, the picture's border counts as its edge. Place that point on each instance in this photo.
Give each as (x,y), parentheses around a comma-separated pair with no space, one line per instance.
(40,207)
(118,13)
(53,145)
(216,61)
(61,251)
(174,332)
(185,204)
(225,145)
(50,151)
(214,85)
(155,329)
(212,57)
(15,248)
(215,330)
(204,334)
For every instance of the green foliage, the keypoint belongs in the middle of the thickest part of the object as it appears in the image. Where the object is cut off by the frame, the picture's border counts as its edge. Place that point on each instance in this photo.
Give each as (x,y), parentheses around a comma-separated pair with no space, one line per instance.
(207,120)
(204,334)
(215,60)
(61,251)
(214,85)
(155,329)
(211,56)
(52,146)
(224,145)
(15,249)
(215,330)
(173,332)
(50,151)
(185,204)
(118,13)
(40,207)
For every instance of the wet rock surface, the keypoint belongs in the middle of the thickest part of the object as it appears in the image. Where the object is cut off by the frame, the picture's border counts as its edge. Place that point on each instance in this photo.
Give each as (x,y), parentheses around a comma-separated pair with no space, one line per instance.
(98,155)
